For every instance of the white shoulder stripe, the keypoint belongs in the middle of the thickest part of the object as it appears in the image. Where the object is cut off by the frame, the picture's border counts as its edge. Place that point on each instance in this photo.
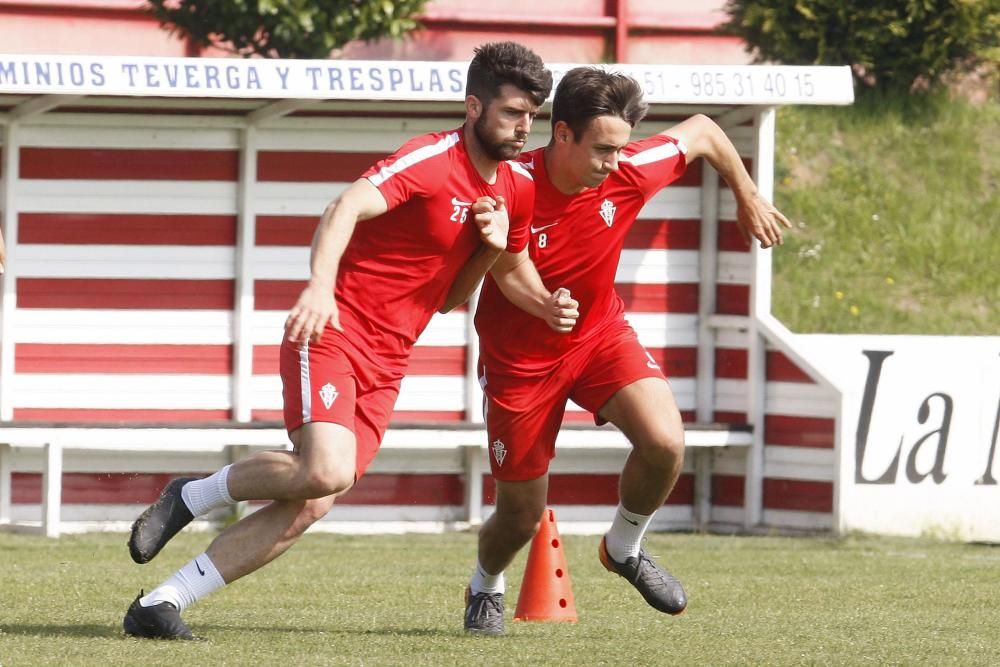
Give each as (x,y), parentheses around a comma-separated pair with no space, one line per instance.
(664,152)
(519,168)
(410,159)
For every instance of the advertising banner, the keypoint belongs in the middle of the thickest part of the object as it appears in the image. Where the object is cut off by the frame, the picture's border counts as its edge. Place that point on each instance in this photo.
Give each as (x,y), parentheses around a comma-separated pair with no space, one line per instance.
(393,80)
(919,430)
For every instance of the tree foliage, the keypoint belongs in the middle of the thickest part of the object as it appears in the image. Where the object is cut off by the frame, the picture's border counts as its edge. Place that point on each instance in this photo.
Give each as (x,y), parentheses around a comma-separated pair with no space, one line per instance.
(890,43)
(286,28)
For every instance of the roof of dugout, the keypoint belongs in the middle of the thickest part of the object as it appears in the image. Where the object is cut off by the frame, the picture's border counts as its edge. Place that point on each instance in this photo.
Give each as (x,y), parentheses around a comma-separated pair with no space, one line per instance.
(260,90)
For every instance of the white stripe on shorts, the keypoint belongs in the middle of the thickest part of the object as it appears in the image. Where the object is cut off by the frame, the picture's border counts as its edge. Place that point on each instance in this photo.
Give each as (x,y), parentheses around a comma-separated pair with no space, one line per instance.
(304,381)
(482,385)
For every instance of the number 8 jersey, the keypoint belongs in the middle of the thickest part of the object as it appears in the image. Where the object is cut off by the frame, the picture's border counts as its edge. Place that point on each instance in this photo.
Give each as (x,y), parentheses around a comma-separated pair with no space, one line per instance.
(576,242)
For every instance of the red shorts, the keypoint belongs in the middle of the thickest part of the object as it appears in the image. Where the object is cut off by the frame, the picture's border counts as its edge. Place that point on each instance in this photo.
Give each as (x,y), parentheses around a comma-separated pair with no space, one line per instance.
(331,382)
(523,414)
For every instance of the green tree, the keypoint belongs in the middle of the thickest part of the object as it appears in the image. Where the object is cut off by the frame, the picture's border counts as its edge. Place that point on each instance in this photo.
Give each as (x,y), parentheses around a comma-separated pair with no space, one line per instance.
(890,43)
(286,28)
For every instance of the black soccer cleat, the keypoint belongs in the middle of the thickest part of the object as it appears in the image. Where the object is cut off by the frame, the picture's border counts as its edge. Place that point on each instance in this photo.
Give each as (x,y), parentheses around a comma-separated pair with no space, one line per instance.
(483,613)
(158,621)
(160,522)
(657,586)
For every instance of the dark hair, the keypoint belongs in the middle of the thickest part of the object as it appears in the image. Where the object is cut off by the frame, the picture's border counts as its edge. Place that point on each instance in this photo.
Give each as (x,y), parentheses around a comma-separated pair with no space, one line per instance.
(584,93)
(498,63)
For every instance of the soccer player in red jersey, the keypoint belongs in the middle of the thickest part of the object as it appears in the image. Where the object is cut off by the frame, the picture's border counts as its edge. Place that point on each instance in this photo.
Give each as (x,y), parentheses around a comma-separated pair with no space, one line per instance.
(590,183)
(417,228)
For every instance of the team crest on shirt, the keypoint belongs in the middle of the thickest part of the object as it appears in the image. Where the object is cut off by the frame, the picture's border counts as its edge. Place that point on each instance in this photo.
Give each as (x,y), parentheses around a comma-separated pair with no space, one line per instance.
(328,394)
(499,451)
(608,212)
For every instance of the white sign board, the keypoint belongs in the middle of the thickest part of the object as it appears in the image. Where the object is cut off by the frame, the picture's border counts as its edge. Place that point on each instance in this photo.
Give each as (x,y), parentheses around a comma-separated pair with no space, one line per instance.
(392,80)
(919,431)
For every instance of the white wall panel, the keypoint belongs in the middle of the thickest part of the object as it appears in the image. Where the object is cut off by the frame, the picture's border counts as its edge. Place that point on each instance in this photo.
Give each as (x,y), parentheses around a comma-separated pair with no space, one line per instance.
(128,133)
(734,267)
(808,463)
(732,338)
(122,392)
(678,203)
(658,266)
(345,134)
(125,327)
(294,198)
(280,262)
(76,196)
(665,329)
(783,398)
(126,261)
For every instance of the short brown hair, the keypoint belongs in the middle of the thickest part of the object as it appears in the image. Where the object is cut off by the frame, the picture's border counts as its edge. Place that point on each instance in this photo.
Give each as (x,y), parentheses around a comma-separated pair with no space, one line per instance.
(584,93)
(498,63)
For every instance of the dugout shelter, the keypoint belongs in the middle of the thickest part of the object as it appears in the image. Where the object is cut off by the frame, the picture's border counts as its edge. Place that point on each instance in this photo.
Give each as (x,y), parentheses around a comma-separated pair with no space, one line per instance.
(158,213)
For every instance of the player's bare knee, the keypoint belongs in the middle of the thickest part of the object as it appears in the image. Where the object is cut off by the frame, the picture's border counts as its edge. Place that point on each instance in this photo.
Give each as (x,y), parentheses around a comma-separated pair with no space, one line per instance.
(662,448)
(327,481)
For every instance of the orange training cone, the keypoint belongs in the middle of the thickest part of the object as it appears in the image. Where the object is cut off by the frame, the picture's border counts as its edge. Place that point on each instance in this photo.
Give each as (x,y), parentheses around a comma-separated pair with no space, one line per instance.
(546,591)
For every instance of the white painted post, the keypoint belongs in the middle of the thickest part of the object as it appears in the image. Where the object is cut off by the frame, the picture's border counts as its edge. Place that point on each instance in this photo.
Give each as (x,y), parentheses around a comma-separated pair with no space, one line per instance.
(760,307)
(472,460)
(841,464)
(701,512)
(473,392)
(246,235)
(708,255)
(52,490)
(473,454)
(233,454)
(8,297)
(6,478)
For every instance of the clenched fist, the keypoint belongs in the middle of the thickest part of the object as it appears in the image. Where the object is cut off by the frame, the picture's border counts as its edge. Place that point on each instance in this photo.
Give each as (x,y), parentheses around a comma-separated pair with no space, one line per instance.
(561,311)
(490,215)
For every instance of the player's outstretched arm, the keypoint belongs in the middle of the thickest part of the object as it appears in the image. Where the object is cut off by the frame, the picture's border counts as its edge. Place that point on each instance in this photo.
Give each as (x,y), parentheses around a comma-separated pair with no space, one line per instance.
(316,305)
(757,218)
(490,216)
(519,281)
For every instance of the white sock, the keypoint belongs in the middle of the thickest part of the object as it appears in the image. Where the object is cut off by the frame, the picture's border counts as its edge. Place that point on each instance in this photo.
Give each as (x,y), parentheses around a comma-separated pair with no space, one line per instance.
(484,582)
(625,536)
(204,495)
(189,584)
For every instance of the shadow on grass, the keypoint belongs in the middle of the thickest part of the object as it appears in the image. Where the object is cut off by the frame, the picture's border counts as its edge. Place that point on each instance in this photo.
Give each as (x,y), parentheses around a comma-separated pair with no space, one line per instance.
(98,631)
(83,630)
(207,629)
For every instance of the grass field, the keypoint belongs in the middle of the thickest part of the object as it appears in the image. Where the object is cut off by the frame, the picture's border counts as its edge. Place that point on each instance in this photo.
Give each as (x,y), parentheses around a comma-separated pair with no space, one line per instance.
(397,600)
(897,208)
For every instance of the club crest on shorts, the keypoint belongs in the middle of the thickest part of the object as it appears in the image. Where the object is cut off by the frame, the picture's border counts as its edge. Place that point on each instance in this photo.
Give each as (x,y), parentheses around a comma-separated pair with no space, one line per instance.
(608,209)
(499,451)
(328,394)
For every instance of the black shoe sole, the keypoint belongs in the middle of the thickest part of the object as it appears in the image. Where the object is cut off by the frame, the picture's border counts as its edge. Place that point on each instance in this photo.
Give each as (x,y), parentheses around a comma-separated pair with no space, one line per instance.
(142,556)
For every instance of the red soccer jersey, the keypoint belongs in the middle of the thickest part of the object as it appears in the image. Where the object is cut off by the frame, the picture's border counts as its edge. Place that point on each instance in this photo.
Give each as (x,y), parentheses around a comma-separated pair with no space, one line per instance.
(398,267)
(576,242)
